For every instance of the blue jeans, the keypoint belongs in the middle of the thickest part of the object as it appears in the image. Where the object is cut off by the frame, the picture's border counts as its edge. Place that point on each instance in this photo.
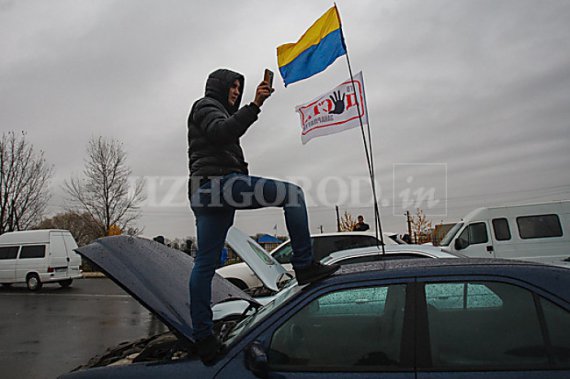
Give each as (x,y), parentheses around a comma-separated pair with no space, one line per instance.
(214,205)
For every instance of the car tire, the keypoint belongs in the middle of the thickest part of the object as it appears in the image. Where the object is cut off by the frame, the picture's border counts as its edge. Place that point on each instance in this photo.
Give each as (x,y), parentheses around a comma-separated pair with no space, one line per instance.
(65,283)
(238,283)
(33,282)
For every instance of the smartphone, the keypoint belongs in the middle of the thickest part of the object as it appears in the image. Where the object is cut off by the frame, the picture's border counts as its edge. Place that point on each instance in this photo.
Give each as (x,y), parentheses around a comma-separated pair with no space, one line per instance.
(268,77)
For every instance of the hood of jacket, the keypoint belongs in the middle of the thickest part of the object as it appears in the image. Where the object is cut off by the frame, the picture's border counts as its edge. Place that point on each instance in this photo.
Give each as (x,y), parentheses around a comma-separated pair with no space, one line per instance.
(218,87)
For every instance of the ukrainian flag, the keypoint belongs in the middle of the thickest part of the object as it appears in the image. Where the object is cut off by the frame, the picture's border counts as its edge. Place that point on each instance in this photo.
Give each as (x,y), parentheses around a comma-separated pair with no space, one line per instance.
(317,49)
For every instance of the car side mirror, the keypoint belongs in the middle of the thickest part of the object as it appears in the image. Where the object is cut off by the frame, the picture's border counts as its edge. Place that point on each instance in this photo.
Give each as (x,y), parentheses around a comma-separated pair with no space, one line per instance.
(256,360)
(461,244)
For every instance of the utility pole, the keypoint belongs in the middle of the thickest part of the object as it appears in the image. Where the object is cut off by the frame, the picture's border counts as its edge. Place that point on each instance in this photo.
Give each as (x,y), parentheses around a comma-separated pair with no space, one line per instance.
(337,219)
(409,224)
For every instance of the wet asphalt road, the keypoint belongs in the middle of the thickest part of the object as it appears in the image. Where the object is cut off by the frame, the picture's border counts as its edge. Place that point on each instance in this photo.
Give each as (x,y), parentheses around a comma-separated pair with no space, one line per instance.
(45,334)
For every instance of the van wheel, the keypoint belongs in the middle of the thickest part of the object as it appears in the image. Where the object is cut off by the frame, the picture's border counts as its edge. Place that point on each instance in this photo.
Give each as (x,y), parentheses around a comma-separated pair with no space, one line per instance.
(33,282)
(65,283)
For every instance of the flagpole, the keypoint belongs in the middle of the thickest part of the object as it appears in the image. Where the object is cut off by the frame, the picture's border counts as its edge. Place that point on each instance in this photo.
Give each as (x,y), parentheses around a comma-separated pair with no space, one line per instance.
(377,211)
(369,159)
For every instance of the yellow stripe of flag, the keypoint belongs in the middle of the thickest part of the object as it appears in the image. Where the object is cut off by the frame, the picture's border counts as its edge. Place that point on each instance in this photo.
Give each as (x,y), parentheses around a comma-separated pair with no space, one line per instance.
(327,23)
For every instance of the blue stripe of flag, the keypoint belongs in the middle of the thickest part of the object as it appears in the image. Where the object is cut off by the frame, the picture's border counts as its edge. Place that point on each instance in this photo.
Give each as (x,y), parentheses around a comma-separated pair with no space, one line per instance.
(315,59)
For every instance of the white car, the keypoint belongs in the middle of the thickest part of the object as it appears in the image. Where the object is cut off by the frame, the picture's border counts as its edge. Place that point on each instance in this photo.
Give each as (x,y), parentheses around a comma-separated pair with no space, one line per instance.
(323,244)
(391,252)
(274,277)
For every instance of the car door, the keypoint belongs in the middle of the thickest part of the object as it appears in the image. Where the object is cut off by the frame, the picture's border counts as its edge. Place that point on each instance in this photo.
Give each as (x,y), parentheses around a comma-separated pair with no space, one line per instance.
(8,256)
(58,258)
(474,241)
(355,331)
(32,258)
(490,328)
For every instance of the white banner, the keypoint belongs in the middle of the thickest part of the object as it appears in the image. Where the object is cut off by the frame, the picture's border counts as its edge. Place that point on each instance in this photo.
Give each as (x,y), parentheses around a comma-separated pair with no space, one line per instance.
(334,111)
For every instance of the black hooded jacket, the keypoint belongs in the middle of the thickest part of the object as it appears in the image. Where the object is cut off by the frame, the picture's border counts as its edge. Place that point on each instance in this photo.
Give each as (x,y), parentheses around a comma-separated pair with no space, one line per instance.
(214,129)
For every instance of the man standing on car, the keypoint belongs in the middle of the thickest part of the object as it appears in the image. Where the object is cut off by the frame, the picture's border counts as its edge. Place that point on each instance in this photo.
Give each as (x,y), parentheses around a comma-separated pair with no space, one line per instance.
(220,184)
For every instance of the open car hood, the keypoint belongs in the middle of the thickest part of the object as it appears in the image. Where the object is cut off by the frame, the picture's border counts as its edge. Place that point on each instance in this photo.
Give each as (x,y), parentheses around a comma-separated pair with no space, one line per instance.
(157,276)
(267,269)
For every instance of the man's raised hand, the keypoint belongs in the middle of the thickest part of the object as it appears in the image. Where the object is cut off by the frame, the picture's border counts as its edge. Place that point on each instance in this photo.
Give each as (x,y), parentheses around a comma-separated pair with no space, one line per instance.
(262,93)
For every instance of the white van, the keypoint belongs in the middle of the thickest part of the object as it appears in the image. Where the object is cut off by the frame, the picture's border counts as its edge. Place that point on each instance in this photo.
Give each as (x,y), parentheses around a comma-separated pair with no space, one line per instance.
(36,257)
(533,232)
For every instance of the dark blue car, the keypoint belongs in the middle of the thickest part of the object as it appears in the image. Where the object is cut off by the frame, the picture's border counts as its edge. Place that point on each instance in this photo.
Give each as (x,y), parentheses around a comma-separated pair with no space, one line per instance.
(418,318)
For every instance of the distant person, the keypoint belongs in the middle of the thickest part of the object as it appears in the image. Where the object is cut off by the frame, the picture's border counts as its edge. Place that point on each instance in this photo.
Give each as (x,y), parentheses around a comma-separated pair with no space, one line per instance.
(220,184)
(360,226)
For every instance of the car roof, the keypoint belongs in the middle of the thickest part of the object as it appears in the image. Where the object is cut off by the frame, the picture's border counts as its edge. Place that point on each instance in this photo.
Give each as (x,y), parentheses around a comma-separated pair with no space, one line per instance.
(432,251)
(29,236)
(552,278)
(414,264)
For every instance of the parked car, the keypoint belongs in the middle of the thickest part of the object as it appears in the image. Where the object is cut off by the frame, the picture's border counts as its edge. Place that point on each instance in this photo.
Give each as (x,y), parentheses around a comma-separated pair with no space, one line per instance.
(404,318)
(533,232)
(323,244)
(36,257)
(391,252)
(274,275)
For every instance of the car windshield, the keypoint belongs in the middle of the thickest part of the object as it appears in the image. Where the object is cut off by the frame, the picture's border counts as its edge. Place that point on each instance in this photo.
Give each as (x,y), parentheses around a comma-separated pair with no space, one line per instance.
(249,322)
(283,253)
(449,236)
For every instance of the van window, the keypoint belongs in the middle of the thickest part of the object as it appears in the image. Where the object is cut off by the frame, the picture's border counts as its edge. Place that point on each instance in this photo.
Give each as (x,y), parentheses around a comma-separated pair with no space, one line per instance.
(501,229)
(540,226)
(8,252)
(33,251)
(478,233)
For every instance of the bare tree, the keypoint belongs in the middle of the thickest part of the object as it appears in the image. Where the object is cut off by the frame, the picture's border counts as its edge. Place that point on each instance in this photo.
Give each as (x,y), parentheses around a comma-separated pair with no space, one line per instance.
(24,177)
(421,227)
(105,191)
(347,222)
(81,225)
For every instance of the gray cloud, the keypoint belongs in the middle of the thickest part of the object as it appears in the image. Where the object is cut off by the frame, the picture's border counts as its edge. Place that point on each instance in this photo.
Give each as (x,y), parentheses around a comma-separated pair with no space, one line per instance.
(481,86)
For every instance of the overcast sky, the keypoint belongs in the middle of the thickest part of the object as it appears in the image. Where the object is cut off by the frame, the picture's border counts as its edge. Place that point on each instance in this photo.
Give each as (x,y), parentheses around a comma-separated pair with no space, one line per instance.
(469,101)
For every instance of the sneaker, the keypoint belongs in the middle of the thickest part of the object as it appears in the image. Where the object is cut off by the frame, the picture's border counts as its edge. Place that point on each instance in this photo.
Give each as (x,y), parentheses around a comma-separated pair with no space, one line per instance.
(314,272)
(208,349)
